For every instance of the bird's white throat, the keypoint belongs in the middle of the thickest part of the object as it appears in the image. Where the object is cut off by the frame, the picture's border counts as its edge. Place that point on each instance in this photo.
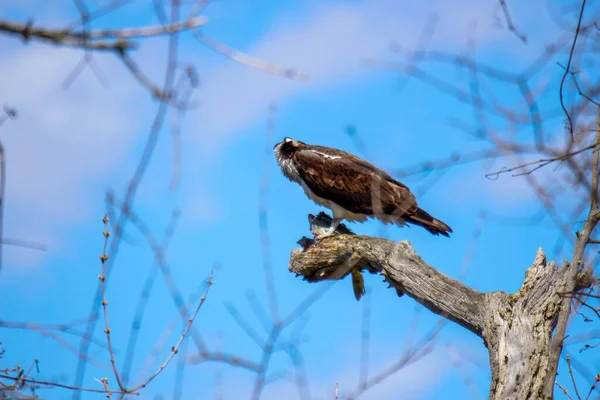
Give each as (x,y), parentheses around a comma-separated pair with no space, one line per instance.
(289,169)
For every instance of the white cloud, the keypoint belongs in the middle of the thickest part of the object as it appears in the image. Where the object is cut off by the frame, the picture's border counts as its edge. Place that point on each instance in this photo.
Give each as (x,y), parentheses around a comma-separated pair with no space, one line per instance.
(414,381)
(64,142)
(328,44)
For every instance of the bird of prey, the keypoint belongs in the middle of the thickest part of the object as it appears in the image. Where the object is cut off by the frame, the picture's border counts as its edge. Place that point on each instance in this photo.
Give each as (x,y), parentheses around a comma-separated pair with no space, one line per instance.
(351,188)
(320,224)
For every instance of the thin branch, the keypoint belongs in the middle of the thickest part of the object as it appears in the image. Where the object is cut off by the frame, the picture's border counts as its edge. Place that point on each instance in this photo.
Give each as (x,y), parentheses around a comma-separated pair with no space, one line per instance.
(102,277)
(542,162)
(595,166)
(22,376)
(62,37)
(23,243)
(180,372)
(258,310)
(450,161)
(259,382)
(175,349)
(593,386)
(7,113)
(584,304)
(198,7)
(147,31)
(246,327)
(43,329)
(580,91)
(62,386)
(564,390)
(2,194)
(568,70)
(100,12)
(568,357)
(247,60)
(107,39)
(511,27)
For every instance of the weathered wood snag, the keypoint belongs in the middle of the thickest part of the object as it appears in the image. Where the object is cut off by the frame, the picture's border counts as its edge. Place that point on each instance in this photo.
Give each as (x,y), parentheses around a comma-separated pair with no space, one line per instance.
(516,328)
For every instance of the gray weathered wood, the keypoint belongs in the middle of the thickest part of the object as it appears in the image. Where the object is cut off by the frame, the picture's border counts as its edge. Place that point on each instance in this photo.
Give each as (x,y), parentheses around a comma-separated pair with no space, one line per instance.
(517,328)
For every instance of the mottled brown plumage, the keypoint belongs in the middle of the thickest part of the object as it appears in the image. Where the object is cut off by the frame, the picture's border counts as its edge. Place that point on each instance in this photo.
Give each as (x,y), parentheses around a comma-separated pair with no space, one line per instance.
(351,187)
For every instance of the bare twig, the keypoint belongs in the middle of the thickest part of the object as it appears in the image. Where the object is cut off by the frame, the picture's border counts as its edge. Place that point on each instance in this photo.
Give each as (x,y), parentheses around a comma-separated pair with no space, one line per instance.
(7,113)
(100,12)
(595,168)
(259,382)
(564,390)
(538,163)
(246,327)
(568,357)
(568,70)
(180,372)
(511,27)
(107,39)
(258,310)
(175,349)
(198,7)
(245,59)
(107,331)
(62,386)
(593,386)
(23,243)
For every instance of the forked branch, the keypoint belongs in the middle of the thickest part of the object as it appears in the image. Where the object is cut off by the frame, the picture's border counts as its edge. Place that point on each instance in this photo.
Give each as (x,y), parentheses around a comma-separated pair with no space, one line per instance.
(516,328)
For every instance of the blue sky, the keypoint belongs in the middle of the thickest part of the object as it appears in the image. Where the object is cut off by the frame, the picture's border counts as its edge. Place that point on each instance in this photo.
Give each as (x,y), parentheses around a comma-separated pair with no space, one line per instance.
(69,146)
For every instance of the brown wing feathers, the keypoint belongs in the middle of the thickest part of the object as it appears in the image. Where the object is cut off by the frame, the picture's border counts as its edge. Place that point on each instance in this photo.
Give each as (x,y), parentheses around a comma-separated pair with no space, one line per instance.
(361,188)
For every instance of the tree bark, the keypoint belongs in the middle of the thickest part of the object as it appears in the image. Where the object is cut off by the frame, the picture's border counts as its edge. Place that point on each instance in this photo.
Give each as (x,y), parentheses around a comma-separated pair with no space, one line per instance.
(516,328)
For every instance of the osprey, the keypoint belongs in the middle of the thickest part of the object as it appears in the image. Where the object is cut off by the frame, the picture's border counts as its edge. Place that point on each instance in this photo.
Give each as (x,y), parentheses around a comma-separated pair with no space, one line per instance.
(350,187)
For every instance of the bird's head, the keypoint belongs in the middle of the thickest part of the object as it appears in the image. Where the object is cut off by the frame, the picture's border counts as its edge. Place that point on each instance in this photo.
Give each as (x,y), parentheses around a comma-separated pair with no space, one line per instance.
(286,148)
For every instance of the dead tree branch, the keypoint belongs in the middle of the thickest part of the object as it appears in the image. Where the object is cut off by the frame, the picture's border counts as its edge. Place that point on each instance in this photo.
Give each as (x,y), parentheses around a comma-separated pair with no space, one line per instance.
(514,327)
(102,39)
